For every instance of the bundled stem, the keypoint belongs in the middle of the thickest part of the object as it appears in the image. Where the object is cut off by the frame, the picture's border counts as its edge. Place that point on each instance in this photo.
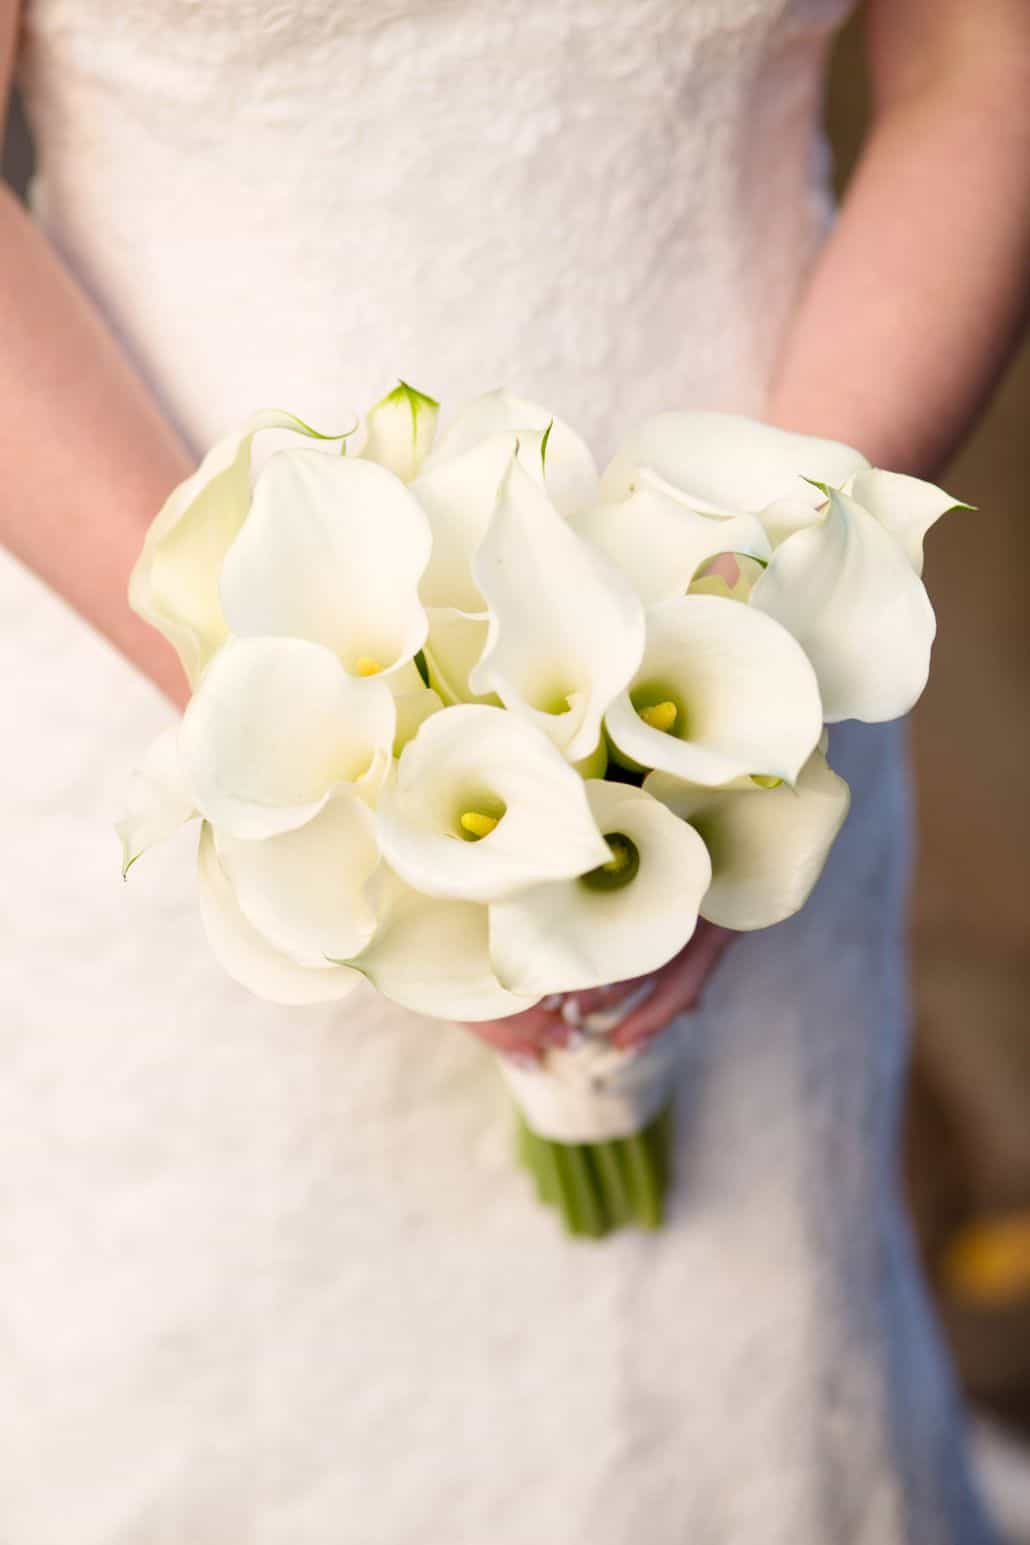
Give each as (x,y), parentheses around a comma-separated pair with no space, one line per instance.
(599,1187)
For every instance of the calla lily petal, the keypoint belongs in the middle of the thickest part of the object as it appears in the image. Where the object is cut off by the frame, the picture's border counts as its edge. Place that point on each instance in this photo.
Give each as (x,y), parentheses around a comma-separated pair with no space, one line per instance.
(783,517)
(483,804)
(566,629)
(247,956)
(906,506)
(659,542)
(459,495)
(726,464)
(305,890)
(454,647)
(274,726)
(847,592)
(174,584)
(158,801)
(414,702)
(718,695)
(570,472)
(432,957)
(580,933)
(399,431)
(768,846)
(333,551)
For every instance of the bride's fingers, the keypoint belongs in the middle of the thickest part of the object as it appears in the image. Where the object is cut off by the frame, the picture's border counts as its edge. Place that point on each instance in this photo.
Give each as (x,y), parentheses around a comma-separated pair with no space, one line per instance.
(594,998)
(522,1035)
(679,986)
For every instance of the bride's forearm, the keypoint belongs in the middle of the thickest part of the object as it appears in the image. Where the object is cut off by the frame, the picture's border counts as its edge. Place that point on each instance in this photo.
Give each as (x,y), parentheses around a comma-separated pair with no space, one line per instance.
(86,458)
(917,299)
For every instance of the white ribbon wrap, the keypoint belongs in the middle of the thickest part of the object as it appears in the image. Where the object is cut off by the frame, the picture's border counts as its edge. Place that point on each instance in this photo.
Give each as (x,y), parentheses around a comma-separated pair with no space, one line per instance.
(592,1091)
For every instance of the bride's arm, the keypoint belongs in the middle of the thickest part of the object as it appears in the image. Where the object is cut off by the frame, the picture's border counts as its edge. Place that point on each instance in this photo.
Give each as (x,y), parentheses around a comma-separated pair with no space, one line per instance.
(913,307)
(85,456)
(917,299)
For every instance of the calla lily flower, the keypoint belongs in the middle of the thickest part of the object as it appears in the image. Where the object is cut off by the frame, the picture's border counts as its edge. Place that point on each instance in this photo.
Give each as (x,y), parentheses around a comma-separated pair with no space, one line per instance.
(783,517)
(566,629)
(333,551)
(174,584)
(305,890)
(846,589)
(625,918)
(247,956)
(570,471)
(719,695)
(482,805)
(414,702)
(158,799)
(453,649)
(459,495)
(432,956)
(660,542)
(399,431)
(906,506)
(274,727)
(724,464)
(767,845)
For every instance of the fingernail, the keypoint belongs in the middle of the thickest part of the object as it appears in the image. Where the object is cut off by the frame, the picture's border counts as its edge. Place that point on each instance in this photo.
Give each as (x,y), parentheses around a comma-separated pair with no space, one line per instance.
(552,1003)
(570,1012)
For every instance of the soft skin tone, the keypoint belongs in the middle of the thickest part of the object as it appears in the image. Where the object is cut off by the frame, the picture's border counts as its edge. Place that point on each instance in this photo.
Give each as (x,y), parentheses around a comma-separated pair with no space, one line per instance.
(925,273)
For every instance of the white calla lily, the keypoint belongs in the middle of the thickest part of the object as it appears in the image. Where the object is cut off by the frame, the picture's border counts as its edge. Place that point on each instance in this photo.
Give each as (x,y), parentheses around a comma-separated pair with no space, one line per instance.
(158,799)
(333,551)
(247,956)
(174,584)
(625,918)
(459,495)
(906,506)
(767,846)
(305,891)
(783,517)
(432,956)
(399,431)
(847,591)
(719,695)
(566,628)
(482,805)
(726,464)
(275,725)
(568,467)
(414,702)
(660,542)
(453,649)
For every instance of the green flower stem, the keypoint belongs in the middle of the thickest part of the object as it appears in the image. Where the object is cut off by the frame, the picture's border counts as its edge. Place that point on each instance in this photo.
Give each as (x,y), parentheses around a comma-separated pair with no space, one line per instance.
(641,1155)
(598,1187)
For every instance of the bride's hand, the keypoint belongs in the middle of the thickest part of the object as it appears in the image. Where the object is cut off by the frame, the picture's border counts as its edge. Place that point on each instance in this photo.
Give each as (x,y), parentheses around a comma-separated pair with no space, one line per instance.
(676,988)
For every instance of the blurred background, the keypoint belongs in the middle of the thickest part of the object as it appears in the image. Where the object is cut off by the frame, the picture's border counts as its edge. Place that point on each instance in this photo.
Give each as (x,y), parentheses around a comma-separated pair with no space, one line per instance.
(968,1126)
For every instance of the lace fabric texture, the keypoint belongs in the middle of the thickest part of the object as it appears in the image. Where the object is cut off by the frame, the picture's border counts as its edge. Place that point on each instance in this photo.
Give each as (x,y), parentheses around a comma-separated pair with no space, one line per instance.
(271,1276)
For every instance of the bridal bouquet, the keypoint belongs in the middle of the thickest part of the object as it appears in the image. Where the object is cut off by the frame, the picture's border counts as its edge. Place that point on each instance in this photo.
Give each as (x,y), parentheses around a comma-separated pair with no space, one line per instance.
(478,726)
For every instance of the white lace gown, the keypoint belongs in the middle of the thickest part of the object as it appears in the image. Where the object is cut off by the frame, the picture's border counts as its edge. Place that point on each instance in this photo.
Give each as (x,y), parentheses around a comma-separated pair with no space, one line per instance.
(270,1277)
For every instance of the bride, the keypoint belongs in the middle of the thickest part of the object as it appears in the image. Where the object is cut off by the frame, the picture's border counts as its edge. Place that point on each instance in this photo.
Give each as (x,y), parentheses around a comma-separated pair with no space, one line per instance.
(270,1276)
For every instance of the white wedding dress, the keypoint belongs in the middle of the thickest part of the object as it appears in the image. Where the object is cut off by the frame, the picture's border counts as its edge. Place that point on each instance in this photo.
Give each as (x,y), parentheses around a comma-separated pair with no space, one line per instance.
(270,1277)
